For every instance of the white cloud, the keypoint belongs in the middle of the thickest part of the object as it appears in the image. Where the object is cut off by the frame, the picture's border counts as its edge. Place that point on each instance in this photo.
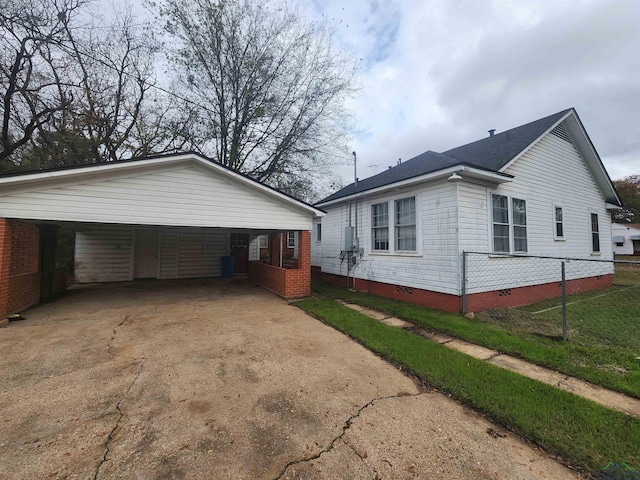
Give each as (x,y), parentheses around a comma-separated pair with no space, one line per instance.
(439,74)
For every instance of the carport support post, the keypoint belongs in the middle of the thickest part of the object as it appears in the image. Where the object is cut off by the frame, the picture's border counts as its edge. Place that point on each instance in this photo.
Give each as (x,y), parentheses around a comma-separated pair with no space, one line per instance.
(5,269)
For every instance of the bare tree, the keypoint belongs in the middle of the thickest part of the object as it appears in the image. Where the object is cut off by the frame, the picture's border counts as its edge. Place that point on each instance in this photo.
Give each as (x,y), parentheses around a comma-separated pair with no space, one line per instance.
(32,42)
(269,86)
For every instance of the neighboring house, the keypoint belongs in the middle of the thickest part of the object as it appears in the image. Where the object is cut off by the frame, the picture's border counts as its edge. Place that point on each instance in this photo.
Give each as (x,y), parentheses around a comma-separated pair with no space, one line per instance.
(165,217)
(538,189)
(626,238)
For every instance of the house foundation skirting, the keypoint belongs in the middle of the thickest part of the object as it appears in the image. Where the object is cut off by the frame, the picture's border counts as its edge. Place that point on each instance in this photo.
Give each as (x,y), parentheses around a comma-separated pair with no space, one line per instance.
(519,296)
(426,298)
(476,302)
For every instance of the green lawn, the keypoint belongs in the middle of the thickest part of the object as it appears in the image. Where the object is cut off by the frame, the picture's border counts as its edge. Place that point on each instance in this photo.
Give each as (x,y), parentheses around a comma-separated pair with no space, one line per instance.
(604,346)
(580,431)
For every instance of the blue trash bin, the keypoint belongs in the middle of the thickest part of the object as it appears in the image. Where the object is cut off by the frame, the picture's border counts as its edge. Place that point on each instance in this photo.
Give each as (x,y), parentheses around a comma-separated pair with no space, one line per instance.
(227,265)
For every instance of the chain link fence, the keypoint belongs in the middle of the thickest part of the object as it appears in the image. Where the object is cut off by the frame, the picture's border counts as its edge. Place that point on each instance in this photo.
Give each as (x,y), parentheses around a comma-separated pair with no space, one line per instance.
(594,300)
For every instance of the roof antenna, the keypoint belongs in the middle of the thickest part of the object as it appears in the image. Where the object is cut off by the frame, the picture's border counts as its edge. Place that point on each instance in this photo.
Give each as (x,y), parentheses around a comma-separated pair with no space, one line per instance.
(399,161)
(491,132)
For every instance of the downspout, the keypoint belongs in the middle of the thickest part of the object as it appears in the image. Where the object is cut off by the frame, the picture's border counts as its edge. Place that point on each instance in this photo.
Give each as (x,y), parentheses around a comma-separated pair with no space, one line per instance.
(281,247)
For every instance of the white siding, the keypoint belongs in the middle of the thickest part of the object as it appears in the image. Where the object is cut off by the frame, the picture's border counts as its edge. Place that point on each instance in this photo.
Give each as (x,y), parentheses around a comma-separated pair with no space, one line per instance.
(316,246)
(199,252)
(103,254)
(435,265)
(177,195)
(168,253)
(621,230)
(552,173)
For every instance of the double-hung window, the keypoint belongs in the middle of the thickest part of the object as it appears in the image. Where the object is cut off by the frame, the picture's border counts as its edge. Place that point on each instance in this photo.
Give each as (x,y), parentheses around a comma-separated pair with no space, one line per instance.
(291,239)
(519,225)
(380,226)
(595,234)
(405,224)
(264,241)
(319,233)
(509,219)
(500,224)
(559,222)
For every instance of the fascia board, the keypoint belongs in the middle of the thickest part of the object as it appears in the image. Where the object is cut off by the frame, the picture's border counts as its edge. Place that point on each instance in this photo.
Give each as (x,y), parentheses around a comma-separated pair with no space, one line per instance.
(476,173)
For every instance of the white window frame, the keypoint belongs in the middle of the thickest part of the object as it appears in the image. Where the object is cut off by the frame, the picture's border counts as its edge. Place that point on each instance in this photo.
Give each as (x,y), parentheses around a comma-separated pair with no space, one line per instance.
(397,226)
(291,239)
(391,225)
(380,227)
(263,241)
(556,222)
(510,224)
(592,232)
(318,232)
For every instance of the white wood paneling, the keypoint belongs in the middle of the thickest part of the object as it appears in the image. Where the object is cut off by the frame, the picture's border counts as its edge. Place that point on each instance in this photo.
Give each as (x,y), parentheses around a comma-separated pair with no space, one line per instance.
(168,253)
(199,252)
(174,195)
(103,254)
(551,173)
(316,246)
(435,265)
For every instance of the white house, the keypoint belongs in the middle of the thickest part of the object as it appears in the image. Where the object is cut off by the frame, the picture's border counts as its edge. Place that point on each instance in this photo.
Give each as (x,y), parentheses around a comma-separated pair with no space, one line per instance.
(164,217)
(626,238)
(538,189)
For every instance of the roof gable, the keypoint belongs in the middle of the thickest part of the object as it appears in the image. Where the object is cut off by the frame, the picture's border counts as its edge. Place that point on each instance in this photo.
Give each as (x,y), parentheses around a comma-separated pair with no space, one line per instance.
(492,154)
(35,181)
(495,152)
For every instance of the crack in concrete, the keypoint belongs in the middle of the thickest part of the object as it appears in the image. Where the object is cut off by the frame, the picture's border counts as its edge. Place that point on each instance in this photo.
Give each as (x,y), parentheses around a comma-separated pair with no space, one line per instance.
(113,335)
(118,408)
(120,417)
(373,475)
(345,428)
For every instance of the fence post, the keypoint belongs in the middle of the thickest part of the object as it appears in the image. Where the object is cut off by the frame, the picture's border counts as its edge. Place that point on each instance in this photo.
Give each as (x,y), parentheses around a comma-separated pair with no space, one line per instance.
(564,304)
(464,283)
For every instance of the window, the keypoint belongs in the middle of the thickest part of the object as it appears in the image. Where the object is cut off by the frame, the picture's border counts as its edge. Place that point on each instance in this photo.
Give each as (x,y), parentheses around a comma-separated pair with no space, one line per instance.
(595,234)
(264,241)
(380,226)
(319,233)
(405,225)
(559,222)
(502,226)
(519,225)
(291,239)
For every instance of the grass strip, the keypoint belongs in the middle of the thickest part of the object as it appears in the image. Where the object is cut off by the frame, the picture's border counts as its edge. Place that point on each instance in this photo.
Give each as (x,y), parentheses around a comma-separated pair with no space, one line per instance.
(579,430)
(570,358)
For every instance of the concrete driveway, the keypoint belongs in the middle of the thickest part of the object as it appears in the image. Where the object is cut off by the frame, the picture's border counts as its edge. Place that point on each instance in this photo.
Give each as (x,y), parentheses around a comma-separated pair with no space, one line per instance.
(218,379)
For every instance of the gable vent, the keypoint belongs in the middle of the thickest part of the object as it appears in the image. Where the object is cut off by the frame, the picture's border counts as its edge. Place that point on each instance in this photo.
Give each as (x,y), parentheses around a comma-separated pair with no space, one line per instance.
(562,133)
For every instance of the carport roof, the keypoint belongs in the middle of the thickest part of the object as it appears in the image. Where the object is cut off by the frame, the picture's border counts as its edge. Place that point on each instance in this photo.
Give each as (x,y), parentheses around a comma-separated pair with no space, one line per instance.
(35,177)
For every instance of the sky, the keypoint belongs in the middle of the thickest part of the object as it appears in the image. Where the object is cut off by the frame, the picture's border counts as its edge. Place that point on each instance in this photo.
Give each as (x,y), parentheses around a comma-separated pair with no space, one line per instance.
(439,74)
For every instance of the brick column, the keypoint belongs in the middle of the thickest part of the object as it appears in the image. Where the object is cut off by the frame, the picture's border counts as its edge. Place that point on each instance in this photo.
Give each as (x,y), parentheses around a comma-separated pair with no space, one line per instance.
(5,269)
(300,281)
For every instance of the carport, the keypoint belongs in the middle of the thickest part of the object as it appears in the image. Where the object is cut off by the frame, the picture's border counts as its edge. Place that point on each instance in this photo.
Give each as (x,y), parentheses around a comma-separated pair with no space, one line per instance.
(165,217)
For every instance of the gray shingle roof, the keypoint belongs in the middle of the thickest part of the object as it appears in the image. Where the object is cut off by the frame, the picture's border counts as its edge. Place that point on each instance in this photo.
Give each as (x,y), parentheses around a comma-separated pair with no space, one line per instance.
(490,153)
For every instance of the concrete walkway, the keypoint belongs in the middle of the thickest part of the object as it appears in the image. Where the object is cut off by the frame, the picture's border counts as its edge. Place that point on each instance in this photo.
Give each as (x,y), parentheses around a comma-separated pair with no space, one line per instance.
(601,395)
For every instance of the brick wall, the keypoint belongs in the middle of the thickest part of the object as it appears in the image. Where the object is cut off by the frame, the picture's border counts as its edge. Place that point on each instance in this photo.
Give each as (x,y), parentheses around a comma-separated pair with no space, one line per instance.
(5,267)
(476,302)
(288,283)
(19,261)
(426,298)
(515,297)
